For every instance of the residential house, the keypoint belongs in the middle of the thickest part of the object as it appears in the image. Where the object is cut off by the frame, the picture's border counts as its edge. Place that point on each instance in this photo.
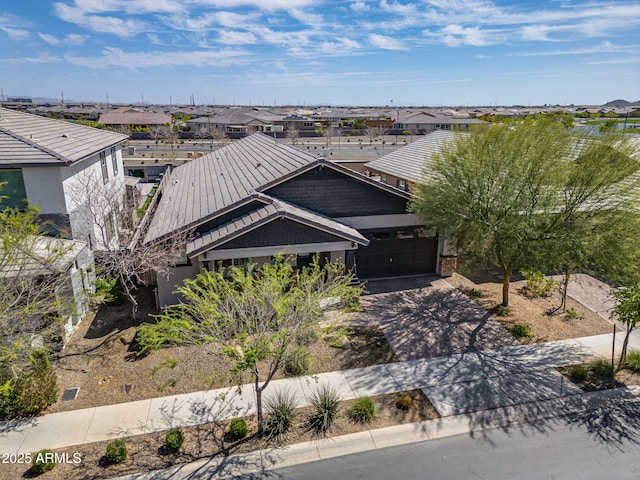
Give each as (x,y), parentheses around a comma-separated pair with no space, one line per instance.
(421,123)
(62,168)
(233,124)
(133,118)
(258,197)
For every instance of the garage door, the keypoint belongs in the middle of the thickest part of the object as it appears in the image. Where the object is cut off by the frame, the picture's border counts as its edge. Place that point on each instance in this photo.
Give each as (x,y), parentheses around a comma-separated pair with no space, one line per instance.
(392,256)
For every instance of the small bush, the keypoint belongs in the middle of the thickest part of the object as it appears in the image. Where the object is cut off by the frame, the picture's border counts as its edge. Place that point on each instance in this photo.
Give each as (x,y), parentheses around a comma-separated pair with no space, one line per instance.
(473,292)
(238,428)
(307,336)
(363,410)
(42,462)
(297,362)
(174,439)
(109,289)
(521,330)
(633,361)
(578,373)
(502,311)
(282,412)
(537,285)
(573,314)
(325,402)
(116,451)
(602,369)
(405,402)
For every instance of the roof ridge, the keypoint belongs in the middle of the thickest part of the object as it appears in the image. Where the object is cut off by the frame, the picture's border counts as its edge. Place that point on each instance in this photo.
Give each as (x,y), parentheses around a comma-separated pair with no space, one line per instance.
(33,144)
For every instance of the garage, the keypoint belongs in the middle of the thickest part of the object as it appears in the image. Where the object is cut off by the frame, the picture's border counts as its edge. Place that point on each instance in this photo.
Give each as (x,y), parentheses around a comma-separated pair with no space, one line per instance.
(396,253)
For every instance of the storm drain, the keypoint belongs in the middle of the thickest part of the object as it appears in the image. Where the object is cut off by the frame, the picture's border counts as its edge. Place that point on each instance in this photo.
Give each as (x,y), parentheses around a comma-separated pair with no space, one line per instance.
(70,394)
(126,388)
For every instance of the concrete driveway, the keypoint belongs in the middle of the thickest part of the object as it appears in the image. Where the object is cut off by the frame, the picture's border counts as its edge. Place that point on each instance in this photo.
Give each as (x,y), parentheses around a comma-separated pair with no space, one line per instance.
(425,317)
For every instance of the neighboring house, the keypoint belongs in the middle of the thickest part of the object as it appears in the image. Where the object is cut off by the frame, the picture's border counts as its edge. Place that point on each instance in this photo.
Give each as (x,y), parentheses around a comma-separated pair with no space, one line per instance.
(422,123)
(63,169)
(258,197)
(405,167)
(233,123)
(70,261)
(134,117)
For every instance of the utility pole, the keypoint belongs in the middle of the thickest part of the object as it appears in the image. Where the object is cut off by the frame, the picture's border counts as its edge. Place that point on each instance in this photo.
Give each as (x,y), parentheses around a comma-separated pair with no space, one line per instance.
(1,95)
(62,95)
(108,99)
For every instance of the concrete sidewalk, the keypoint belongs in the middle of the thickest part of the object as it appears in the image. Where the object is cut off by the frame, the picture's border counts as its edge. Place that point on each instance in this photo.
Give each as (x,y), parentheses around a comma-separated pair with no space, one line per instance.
(455,384)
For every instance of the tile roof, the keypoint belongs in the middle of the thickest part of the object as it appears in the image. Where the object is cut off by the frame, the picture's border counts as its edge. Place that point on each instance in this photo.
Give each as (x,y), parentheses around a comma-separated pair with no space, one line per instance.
(131,116)
(410,162)
(225,178)
(267,213)
(27,139)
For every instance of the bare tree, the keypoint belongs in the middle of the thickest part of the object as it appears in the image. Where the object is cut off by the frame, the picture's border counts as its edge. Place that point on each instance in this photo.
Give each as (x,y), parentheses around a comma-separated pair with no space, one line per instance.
(329,133)
(220,137)
(293,134)
(166,134)
(372,133)
(119,252)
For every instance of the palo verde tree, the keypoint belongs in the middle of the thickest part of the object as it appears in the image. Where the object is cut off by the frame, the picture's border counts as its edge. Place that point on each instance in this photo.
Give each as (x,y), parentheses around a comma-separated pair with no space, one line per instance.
(627,310)
(491,192)
(595,230)
(252,316)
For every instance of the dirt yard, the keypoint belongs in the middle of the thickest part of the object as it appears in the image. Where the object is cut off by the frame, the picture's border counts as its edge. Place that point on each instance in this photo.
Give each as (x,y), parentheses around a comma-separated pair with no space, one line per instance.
(100,359)
(539,313)
(147,452)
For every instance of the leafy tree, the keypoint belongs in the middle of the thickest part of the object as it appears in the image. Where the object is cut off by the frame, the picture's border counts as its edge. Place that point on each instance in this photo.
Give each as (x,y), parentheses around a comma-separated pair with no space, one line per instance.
(596,228)
(492,191)
(628,311)
(34,301)
(253,317)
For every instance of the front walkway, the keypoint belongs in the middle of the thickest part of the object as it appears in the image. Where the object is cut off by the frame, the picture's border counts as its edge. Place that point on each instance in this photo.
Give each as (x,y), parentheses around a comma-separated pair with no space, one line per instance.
(463,382)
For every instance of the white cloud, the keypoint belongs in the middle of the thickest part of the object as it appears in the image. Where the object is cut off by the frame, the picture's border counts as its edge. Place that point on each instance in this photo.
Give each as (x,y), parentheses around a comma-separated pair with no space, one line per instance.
(70,39)
(456,35)
(339,47)
(115,57)
(306,17)
(229,37)
(396,7)
(386,43)
(359,6)
(154,39)
(42,58)
(15,33)
(116,26)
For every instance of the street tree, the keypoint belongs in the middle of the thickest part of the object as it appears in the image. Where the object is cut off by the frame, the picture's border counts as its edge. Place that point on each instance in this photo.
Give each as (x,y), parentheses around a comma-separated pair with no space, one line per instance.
(253,316)
(627,310)
(491,192)
(293,134)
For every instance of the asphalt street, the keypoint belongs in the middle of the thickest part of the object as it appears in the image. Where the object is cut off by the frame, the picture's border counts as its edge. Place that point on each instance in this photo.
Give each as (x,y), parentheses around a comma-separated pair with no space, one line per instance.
(597,445)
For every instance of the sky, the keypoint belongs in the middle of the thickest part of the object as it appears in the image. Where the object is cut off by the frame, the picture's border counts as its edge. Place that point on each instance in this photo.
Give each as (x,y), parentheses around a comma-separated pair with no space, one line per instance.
(322,52)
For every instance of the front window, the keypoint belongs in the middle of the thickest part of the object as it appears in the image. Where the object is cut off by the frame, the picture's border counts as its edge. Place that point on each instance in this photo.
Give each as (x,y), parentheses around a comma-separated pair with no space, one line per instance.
(103,166)
(114,161)
(13,192)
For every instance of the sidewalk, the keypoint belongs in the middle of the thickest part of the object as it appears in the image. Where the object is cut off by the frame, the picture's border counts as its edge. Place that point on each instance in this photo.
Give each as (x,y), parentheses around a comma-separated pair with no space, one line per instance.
(455,384)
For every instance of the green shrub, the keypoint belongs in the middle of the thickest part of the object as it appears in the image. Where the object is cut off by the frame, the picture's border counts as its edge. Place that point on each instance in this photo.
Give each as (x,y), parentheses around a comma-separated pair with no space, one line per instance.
(521,330)
(31,391)
(109,289)
(633,361)
(502,311)
(325,401)
(307,335)
(537,285)
(174,439)
(602,368)
(573,314)
(363,410)
(42,462)
(281,409)
(578,373)
(297,362)
(116,451)
(238,428)
(473,292)
(405,402)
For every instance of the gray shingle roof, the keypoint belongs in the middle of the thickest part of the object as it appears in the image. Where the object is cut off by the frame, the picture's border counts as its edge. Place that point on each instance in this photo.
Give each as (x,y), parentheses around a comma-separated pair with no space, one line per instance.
(225,178)
(130,116)
(27,139)
(410,162)
(40,256)
(267,213)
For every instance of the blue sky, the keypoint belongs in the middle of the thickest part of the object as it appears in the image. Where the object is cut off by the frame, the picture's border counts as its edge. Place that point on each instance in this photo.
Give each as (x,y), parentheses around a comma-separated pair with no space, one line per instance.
(351,52)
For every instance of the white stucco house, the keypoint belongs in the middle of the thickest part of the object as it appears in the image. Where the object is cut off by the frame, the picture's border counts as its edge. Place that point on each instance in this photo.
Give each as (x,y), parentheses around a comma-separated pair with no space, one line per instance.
(72,173)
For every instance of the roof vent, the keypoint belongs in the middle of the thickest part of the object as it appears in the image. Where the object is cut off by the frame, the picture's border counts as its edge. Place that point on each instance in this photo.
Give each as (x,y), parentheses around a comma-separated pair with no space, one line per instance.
(64,135)
(258,165)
